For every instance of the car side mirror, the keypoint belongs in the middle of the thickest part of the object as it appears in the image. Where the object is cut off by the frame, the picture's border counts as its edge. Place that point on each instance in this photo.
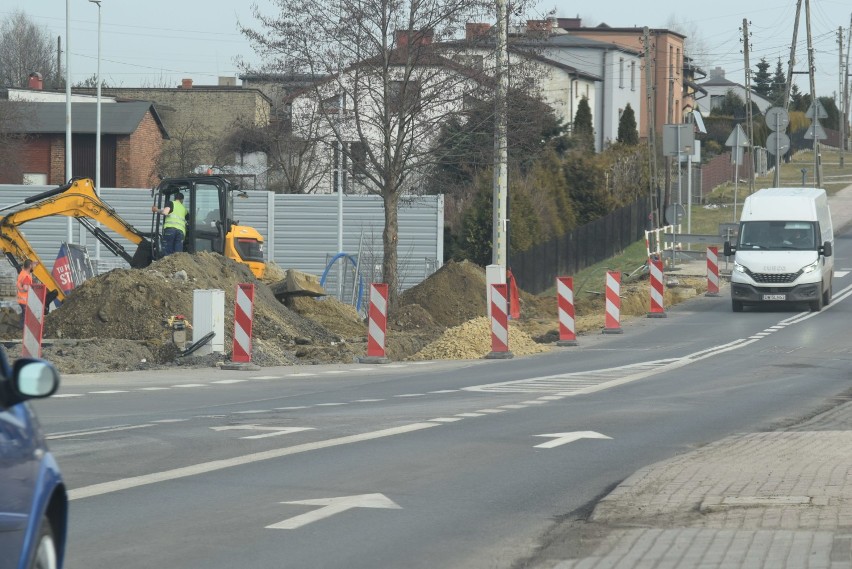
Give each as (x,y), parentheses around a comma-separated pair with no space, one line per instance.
(729,249)
(34,379)
(826,249)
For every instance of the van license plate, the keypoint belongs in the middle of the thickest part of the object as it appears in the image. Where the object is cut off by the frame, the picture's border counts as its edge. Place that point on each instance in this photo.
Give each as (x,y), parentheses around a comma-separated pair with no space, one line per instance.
(774,297)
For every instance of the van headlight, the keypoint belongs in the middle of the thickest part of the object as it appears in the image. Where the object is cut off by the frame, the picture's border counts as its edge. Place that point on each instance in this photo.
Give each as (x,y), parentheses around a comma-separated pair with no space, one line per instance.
(739,268)
(811,268)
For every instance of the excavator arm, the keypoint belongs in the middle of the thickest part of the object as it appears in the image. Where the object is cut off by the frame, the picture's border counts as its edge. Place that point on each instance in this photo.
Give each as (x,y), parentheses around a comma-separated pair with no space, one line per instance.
(79,200)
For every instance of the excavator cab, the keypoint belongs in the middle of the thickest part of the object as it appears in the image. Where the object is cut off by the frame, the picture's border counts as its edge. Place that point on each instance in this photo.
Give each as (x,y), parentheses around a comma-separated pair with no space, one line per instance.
(210,224)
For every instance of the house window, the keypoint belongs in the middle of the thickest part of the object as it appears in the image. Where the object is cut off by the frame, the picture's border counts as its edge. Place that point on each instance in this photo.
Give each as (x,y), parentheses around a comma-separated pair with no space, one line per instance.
(621,73)
(632,75)
(678,64)
(403,96)
(33,179)
(358,159)
(331,105)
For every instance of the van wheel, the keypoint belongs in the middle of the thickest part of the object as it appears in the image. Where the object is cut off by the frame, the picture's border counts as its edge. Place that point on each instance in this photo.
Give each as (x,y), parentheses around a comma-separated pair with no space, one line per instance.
(737,305)
(816,305)
(826,296)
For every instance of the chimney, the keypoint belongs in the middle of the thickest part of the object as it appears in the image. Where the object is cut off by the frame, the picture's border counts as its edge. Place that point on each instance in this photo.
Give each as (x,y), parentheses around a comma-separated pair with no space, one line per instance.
(35,81)
(718,73)
(473,30)
(186,84)
(227,81)
(418,37)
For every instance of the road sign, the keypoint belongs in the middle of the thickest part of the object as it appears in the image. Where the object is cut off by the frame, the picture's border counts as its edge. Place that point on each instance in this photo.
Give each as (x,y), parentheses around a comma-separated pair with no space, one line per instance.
(777,143)
(678,139)
(737,137)
(777,119)
(820,111)
(333,506)
(815,131)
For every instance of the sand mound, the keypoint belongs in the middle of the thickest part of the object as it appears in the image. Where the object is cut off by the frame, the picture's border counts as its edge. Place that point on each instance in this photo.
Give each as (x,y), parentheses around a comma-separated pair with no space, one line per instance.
(454,294)
(472,340)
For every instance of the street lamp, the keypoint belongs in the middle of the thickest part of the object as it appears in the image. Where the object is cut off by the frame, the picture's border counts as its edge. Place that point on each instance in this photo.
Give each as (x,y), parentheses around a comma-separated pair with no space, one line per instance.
(98,128)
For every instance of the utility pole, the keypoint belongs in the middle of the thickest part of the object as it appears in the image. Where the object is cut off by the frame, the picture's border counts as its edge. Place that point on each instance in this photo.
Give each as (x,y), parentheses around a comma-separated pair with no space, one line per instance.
(499,244)
(814,101)
(651,126)
(749,118)
(792,62)
(845,117)
(840,92)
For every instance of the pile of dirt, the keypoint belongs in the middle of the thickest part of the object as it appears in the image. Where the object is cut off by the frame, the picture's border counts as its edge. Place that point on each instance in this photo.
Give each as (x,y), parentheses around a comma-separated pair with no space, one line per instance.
(134,304)
(472,340)
(453,294)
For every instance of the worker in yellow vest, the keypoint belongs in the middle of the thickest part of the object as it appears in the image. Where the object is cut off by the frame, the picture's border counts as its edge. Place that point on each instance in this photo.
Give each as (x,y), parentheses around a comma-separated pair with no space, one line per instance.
(25,282)
(174,227)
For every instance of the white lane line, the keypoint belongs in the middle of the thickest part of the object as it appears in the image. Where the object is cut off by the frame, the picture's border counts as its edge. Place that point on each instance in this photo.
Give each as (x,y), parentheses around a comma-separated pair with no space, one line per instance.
(534,402)
(422,363)
(446,391)
(394,366)
(68,395)
(552,397)
(513,406)
(228,381)
(470,414)
(330,404)
(840,274)
(216,465)
(363,369)
(252,412)
(266,377)
(410,395)
(190,385)
(97,431)
(491,411)
(154,388)
(293,408)
(445,420)
(169,421)
(108,392)
(302,375)
(367,400)
(334,371)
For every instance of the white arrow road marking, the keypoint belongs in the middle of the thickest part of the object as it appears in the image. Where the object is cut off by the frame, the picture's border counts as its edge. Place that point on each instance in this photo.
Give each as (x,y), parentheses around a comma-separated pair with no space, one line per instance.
(275,431)
(565,438)
(333,506)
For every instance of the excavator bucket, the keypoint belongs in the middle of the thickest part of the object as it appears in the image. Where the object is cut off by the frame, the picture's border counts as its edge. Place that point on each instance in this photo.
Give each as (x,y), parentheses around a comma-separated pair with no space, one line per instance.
(297,283)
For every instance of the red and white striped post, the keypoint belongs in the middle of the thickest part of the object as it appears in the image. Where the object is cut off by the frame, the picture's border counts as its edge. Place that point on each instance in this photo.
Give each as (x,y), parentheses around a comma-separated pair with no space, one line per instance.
(33,322)
(613,303)
(565,306)
(712,271)
(657,289)
(243,315)
(377,324)
(500,322)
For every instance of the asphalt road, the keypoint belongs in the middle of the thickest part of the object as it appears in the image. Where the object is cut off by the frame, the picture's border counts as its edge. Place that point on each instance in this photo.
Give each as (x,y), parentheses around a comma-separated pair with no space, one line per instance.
(439,464)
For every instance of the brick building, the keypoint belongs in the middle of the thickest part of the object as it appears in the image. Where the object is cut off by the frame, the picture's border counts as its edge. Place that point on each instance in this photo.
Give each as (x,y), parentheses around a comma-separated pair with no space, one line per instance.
(203,121)
(132,136)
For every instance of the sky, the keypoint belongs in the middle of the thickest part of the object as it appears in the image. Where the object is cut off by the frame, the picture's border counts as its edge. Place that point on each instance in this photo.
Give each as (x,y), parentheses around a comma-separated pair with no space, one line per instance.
(157,43)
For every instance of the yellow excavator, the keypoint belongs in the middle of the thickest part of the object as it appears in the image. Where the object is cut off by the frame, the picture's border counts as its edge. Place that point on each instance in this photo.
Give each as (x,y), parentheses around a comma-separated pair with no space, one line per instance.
(210,224)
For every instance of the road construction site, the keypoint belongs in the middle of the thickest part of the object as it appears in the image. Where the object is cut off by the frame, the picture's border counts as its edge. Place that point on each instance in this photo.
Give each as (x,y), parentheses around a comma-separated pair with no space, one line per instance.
(118,321)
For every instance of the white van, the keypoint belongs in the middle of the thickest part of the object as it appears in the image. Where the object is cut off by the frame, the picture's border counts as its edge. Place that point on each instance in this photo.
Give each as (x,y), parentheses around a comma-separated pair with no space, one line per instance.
(784,249)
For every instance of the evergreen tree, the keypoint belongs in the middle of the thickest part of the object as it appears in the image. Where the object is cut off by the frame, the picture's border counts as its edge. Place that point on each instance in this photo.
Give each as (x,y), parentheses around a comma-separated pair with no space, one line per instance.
(779,85)
(797,99)
(627,133)
(762,79)
(584,132)
(731,106)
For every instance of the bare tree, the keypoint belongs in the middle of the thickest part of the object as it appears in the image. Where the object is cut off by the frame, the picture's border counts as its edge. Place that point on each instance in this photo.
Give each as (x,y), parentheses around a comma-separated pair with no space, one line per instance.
(386,88)
(25,48)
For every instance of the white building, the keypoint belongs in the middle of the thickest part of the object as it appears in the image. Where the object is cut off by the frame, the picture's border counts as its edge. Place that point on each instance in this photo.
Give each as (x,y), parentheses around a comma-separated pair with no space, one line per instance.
(717,87)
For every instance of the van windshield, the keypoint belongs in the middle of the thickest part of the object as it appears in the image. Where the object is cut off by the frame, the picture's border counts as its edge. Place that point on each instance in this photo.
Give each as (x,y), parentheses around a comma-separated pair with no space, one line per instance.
(778,235)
